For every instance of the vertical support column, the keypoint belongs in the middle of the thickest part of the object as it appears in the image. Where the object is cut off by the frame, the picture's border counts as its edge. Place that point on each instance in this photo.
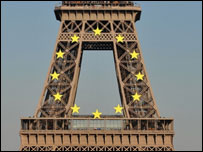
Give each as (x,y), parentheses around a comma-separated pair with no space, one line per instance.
(118,73)
(48,74)
(144,69)
(74,83)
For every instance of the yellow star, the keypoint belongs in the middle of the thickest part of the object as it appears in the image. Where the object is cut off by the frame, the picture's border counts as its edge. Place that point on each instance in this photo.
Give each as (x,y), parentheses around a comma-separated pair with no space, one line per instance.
(96,114)
(55,75)
(75,38)
(58,96)
(97,31)
(119,38)
(134,55)
(139,76)
(60,54)
(136,97)
(118,109)
(75,109)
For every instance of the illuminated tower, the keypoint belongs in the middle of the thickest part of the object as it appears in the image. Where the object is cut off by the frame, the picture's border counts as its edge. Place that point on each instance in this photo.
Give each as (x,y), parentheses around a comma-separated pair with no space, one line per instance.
(97,25)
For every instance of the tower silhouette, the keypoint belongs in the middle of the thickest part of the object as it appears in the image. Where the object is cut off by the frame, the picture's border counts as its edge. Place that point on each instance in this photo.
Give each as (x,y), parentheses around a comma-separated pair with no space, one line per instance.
(97,25)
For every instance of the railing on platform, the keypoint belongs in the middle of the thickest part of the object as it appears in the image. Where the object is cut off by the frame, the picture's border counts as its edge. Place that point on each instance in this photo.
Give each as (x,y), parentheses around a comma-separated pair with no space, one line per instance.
(99,3)
(154,124)
(102,3)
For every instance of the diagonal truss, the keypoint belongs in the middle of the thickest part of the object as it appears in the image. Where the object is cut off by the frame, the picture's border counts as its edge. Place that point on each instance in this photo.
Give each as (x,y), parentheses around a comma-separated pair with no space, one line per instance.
(54,128)
(69,68)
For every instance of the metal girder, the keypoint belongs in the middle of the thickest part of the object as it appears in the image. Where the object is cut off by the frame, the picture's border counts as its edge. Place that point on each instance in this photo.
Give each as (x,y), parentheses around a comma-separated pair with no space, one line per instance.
(69,67)
(54,128)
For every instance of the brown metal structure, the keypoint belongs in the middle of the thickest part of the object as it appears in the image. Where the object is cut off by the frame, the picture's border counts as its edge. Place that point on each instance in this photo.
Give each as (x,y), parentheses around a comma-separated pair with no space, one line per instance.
(53,126)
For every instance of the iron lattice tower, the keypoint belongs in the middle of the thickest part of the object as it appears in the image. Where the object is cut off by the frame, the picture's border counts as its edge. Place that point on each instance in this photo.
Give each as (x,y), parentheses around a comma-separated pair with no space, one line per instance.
(53,126)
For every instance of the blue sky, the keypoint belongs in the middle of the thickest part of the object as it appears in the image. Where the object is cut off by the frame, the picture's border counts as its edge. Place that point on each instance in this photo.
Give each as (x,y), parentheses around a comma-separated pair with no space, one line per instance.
(170,34)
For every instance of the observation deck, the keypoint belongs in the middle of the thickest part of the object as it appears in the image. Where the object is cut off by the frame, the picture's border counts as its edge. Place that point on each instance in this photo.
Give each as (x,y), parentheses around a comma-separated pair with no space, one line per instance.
(107,133)
(104,10)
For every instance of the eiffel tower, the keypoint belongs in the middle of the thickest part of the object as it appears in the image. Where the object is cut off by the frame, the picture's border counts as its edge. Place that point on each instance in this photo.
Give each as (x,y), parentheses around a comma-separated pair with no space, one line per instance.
(97,25)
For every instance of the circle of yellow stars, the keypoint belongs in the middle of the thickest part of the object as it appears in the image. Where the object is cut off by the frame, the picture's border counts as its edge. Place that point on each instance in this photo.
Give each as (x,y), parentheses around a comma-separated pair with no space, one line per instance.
(118,109)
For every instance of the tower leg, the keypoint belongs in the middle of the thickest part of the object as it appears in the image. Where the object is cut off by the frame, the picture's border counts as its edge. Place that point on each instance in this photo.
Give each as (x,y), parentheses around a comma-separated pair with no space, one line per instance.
(119,79)
(74,83)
